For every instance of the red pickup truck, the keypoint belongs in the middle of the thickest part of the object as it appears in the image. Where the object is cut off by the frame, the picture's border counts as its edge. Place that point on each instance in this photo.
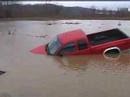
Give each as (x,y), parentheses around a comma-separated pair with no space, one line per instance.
(76,42)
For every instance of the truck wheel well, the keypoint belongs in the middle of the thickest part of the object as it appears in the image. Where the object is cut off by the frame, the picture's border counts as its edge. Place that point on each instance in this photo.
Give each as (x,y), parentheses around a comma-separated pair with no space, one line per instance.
(112,52)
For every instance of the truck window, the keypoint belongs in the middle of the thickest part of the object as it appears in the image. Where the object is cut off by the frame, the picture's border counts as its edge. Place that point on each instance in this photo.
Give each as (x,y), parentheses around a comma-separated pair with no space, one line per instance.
(71,47)
(82,44)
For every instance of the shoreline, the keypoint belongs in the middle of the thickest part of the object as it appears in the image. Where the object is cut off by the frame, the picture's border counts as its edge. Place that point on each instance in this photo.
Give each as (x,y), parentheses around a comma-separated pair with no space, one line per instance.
(63,18)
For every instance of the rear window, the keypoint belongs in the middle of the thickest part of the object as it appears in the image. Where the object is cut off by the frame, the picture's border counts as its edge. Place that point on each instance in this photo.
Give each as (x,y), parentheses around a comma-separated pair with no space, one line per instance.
(82,44)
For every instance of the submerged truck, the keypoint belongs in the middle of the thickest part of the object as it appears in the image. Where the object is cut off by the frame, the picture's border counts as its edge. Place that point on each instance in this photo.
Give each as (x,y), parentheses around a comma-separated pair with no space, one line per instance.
(77,42)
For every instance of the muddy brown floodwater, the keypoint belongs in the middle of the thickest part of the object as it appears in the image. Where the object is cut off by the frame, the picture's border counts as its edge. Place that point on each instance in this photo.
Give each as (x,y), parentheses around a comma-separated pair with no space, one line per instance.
(30,75)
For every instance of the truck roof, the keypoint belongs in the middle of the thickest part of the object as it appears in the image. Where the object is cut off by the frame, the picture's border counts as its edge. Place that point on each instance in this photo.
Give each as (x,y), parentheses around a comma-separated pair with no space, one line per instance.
(71,36)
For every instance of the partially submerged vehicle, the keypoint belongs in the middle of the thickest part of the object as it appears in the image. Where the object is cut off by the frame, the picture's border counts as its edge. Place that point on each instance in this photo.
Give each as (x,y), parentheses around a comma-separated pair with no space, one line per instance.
(76,42)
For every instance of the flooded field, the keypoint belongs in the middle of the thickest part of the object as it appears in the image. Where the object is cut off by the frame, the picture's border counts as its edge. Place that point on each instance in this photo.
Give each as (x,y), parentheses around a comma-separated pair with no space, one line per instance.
(31,75)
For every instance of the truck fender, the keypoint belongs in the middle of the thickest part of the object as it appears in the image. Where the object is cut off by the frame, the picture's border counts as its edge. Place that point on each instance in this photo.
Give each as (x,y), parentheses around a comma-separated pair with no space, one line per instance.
(112,53)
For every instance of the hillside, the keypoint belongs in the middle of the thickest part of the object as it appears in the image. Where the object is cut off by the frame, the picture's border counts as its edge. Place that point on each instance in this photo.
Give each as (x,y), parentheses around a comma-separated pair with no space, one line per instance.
(59,12)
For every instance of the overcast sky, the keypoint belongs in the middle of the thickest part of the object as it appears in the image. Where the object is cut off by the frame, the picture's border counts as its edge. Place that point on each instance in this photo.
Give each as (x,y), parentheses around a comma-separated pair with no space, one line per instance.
(98,4)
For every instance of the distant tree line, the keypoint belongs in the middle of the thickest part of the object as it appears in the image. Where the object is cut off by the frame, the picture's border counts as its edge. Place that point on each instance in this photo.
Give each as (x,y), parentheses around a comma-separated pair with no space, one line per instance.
(65,0)
(55,11)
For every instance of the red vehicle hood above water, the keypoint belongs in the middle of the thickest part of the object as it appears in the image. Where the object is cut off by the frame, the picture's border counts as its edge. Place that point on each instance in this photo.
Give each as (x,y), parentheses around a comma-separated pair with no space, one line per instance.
(39,50)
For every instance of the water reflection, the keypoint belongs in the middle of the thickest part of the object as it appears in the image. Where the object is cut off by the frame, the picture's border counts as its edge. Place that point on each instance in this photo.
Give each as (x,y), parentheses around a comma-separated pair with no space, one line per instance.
(121,63)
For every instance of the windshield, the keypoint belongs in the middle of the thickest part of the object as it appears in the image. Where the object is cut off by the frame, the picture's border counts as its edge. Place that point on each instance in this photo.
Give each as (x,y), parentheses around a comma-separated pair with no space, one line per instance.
(53,46)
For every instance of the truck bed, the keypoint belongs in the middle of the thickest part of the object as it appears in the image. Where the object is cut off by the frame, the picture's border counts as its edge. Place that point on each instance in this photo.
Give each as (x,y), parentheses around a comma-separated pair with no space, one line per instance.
(106,36)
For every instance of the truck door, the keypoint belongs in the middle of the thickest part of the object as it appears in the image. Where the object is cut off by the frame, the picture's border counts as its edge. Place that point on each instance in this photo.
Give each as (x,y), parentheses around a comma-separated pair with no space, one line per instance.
(68,49)
(76,48)
(83,47)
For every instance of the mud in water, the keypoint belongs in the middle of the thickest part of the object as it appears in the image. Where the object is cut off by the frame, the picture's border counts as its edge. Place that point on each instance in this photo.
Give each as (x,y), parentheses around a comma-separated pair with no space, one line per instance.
(31,75)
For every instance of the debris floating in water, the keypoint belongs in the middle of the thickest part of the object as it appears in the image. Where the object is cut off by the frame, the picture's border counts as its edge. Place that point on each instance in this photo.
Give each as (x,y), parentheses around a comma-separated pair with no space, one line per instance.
(39,36)
(119,24)
(71,23)
(11,32)
(2,72)
(42,36)
(51,23)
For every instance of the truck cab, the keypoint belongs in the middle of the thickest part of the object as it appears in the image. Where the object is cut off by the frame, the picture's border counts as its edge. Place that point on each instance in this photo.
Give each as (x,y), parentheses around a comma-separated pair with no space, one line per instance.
(69,43)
